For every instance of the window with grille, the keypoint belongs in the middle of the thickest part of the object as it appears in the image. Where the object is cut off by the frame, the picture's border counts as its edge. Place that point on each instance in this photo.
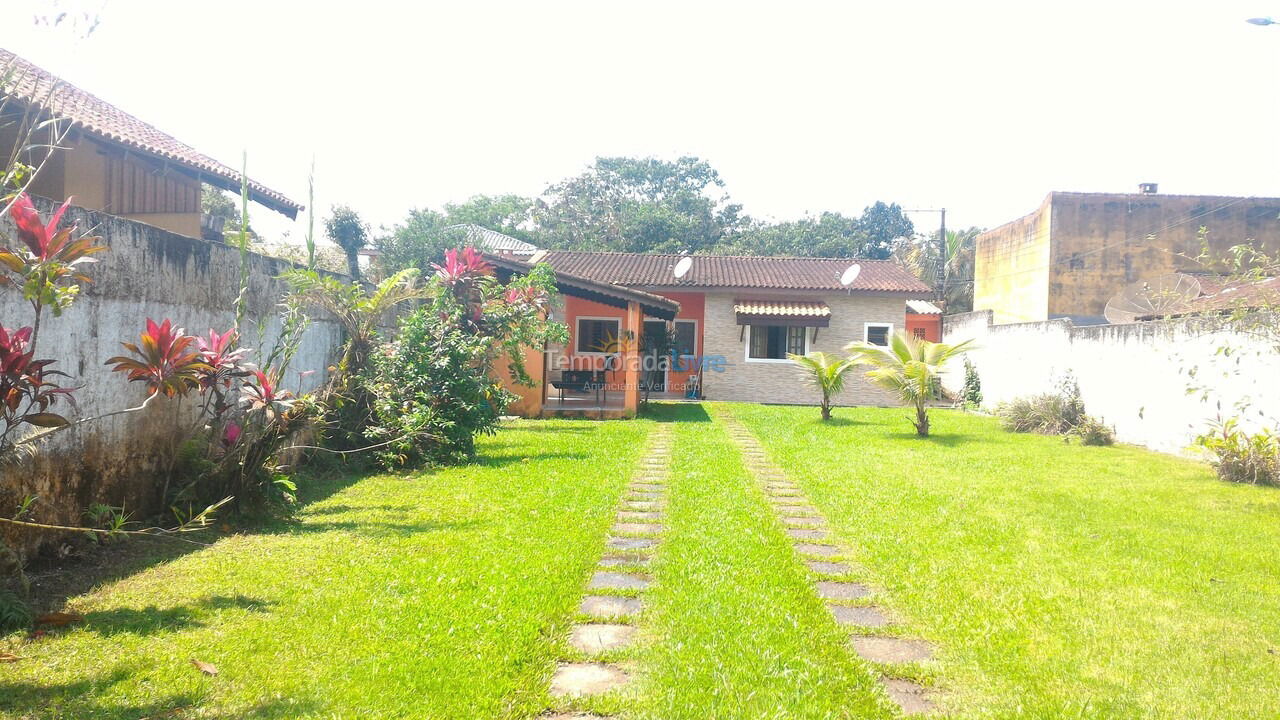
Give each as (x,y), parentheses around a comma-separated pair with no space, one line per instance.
(878,333)
(597,335)
(773,342)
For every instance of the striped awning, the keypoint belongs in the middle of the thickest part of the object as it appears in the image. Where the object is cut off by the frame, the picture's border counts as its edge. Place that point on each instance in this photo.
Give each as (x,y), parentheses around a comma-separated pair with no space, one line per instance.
(782,312)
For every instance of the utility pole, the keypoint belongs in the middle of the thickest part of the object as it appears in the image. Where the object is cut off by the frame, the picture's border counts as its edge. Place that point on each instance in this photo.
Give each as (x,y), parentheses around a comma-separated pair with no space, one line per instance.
(942,258)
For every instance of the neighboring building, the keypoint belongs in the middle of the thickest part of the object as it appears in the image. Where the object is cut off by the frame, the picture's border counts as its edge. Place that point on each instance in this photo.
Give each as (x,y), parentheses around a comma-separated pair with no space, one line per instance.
(1075,252)
(924,320)
(738,318)
(112,161)
(492,241)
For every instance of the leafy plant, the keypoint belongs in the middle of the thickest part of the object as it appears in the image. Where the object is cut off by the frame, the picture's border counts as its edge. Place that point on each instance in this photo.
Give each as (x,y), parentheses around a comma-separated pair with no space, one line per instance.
(971,393)
(1092,431)
(826,372)
(909,367)
(1242,457)
(345,228)
(25,392)
(48,269)
(1055,413)
(167,360)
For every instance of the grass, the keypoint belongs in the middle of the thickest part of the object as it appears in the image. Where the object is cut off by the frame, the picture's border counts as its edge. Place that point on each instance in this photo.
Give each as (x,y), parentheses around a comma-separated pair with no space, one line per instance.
(1057,581)
(439,595)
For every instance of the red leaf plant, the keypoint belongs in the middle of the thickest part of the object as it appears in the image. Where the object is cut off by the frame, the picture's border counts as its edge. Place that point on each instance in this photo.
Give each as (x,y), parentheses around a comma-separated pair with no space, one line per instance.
(51,255)
(462,268)
(26,394)
(166,361)
(262,392)
(224,359)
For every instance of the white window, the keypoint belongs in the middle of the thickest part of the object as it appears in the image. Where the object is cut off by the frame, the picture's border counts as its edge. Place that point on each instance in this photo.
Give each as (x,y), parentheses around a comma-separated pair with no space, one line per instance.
(597,336)
(771,343)
(877,333)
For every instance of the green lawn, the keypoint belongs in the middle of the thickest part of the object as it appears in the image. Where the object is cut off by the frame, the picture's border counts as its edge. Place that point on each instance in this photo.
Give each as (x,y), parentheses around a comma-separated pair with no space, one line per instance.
(440,595)
(1056,580)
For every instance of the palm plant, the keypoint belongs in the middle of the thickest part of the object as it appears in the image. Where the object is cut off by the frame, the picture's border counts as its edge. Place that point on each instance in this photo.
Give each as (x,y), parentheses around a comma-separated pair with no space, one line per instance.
(908,367)
(826,372)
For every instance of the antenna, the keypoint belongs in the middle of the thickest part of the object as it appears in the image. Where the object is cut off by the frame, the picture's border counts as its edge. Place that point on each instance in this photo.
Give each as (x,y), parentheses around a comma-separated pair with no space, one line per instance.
(1165,295)
(850,274)
(682,266)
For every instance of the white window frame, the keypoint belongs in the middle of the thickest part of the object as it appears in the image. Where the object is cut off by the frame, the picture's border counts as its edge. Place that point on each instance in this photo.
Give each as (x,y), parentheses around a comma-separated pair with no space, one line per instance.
(746,352)
(577,335)
(696,337)
(866,332)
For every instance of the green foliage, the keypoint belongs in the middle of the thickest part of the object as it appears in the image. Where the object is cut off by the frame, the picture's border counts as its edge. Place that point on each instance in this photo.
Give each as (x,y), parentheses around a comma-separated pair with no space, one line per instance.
(1092,431)
(1055,413)
(419,241)
(909,368)
(920,255)
(348,232)
(507,214)
(1242,457)
(15,611)
(971,393)
(826,372)
(215,202)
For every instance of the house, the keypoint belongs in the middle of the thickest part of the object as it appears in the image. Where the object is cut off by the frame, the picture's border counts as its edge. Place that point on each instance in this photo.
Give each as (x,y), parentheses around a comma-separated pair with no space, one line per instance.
(924,320)
(109,160)
(730,324)
(1077,250)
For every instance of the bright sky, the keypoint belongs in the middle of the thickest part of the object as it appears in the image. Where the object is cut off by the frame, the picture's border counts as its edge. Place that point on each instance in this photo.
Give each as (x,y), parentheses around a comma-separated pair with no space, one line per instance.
(981,107)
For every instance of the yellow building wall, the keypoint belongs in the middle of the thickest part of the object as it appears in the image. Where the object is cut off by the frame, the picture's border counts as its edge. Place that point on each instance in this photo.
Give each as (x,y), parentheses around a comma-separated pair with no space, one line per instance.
(1011,269)
(1103,242)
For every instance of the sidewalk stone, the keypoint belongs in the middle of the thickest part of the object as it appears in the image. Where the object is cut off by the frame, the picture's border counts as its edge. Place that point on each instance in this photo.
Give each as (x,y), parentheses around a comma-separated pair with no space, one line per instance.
(598,637)
(891,649)
(604,606)
(580,679)
(862,616)
(911,698)
(617,581)
(828,590)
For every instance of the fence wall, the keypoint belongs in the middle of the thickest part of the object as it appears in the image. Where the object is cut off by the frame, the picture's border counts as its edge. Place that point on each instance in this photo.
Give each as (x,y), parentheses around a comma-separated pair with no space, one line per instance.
(1135,376)
(146,272)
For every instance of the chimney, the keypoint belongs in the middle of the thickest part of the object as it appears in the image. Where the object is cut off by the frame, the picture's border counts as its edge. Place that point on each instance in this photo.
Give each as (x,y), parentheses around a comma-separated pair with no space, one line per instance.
(1148,188)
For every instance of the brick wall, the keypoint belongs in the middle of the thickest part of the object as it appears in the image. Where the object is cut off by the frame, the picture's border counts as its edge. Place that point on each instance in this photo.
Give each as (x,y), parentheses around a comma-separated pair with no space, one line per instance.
(781,382)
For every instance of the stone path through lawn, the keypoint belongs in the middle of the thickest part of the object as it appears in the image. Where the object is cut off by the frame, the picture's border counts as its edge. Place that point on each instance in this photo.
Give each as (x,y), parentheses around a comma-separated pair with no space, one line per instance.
(609,612)
(852,604)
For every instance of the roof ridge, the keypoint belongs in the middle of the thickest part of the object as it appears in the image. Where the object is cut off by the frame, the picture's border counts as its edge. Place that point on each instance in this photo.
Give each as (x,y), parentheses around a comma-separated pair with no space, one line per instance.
(731,256)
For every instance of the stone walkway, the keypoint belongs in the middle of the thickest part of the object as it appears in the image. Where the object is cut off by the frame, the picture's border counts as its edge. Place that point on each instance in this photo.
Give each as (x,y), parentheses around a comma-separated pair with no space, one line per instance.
(608,614)
(852,604)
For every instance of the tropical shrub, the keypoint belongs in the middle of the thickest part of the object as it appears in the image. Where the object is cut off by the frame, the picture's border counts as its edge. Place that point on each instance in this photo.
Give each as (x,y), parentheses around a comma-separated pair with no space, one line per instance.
(909,368)
(971,393)
(1092,431)
(434,386)
(826,372)
(1060,412)
(1241,457)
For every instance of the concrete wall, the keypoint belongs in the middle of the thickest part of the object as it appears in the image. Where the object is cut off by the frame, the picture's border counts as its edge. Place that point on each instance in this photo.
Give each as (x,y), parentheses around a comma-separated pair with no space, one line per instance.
(781,382)
(1011,268)
(146,272)
(1075,252)
(1134,376)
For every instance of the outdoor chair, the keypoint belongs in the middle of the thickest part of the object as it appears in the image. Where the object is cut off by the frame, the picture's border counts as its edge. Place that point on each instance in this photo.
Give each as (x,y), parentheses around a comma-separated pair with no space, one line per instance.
(583,381)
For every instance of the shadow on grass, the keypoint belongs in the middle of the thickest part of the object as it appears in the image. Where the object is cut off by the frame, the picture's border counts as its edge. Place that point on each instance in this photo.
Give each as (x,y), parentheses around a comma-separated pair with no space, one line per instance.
(943,440)
(375,528)
(152,619)
(513,459)
(675,412)
(83,700)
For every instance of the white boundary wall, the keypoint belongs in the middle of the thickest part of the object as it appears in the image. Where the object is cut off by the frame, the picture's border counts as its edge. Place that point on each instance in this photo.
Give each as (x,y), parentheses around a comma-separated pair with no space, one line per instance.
(1134,376)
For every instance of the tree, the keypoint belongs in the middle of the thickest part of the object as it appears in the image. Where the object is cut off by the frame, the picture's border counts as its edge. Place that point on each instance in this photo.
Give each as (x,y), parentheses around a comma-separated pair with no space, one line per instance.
(871,235)
(883,226)
(345,228)
(826,372)
(920,256)
(909,367)
(508,214)
(420,241)
(638,205)
(214,202)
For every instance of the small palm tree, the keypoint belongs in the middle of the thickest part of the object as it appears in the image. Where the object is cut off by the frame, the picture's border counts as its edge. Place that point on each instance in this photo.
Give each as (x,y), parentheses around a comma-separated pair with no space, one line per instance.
(909,367)
(826,372)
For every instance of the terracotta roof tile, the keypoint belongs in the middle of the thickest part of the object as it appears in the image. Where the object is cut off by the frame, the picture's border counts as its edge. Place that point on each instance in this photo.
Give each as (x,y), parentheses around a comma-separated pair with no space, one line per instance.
(98,117)
(736,271)
(781,309)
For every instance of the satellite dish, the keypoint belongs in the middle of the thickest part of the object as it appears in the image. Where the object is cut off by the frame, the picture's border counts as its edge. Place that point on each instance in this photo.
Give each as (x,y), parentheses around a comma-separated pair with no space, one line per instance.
(850,274)
(682,266)
(1165,295)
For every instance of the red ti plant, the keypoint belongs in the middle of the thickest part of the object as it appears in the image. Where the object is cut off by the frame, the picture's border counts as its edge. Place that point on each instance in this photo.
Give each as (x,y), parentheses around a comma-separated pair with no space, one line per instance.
(49,267)
(462,269)
(167,360)
(263,393)
(25,392)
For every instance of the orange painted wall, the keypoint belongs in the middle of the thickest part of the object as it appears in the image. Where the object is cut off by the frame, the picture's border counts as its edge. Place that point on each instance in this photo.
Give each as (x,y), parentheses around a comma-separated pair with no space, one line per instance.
(932,325)
(692,307)
(529,399)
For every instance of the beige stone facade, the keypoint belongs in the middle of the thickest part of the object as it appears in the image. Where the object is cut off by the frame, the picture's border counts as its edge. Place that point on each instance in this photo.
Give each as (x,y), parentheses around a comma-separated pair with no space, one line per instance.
(746,380)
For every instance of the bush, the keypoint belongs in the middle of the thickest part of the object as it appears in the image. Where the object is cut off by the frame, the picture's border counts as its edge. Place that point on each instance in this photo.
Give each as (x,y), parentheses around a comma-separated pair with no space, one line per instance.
(1240,457)
(15,613)
(1046,414)
(1092,431)
(971,393)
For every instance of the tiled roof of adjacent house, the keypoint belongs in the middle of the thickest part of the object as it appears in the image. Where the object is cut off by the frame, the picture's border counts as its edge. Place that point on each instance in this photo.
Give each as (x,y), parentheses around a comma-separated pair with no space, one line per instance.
(736,271)
(98,117)
(494,241)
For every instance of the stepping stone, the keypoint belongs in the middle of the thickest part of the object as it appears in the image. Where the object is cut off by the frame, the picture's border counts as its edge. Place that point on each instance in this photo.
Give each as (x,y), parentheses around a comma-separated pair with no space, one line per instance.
(646,487)
(607,606)
(630,543)
(861,616)
(632,515)
(572,716)
(616,560)
(804,520)
(642,496)
(817,549)
(789,501)
(598,637)
(828,590)
(891,649)
(630,528)
(617,581)
(829,568)
(803,534)
(642,505)
(783,493)
(580,679)
(910,697)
